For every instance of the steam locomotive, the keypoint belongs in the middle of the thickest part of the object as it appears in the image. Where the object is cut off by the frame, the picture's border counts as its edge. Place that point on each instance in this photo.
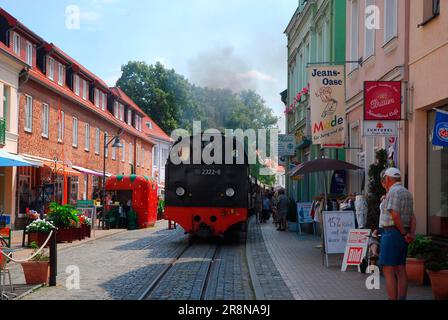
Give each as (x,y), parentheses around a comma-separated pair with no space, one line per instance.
(208,200)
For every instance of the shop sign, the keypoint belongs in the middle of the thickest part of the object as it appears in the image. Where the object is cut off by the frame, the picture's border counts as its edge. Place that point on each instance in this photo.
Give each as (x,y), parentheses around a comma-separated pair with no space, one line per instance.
(357,243)
(327,100)
(380,128)
(304,212)
(440,136)
(382,100)
(286,145)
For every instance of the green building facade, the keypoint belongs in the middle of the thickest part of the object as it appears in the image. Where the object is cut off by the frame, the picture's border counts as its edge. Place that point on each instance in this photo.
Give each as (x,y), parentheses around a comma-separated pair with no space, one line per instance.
(314,36)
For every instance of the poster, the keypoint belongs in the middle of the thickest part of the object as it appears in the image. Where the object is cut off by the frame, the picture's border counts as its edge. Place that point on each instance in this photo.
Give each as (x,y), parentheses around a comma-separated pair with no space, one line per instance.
(382,100)
(356,248)
(286,145)
(327,100)
(304,212)
(337,226)
(440,136)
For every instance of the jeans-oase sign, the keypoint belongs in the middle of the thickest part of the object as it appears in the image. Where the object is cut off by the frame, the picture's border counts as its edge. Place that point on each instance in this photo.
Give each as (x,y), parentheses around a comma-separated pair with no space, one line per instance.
(327,97)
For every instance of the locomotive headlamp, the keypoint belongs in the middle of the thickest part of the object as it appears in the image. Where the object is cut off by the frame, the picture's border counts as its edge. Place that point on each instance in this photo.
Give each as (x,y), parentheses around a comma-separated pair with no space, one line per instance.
(230,192)
(180,192)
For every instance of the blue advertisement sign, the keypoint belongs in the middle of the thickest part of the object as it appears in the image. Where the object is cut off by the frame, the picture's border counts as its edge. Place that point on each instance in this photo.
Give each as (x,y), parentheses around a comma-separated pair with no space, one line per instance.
(304,212)
(440,137)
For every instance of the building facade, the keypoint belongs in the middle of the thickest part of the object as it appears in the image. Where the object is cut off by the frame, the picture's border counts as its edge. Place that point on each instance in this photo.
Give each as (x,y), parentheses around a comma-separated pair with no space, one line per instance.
(67,122)
(10,68)
(428,65)
(313,37)
(384,56)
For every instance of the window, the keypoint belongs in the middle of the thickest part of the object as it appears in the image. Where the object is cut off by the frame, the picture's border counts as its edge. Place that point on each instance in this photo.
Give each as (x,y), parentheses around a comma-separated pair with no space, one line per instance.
(97,141)
(29,53)
(431,9)
(390,20)
(76,84)
(97,98)
(61,126)
(104,101)
(123,154)
(16,43)
(45,119)
(61,73)
(165,153)
(149,125)
(155,161)
(129,117)
(6,101)
(354,32)
(369,36)
(106,151)
(84,89)
(131,153)
(51,68)
(121,112)
(75,133)
(116,109)
(137,155)
(114,154)
(87,137)
(143,158)
(29,114)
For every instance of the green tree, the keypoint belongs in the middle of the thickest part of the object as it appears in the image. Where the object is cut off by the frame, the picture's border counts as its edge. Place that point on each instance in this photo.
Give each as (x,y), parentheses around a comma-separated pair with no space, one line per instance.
(376,190)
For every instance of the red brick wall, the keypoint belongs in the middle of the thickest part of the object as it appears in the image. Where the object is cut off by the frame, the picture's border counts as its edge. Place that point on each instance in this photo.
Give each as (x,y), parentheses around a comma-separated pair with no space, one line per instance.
(34,144)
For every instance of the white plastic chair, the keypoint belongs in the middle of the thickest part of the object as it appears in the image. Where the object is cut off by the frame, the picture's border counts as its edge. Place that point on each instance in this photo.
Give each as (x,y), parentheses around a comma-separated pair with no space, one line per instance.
(4,271)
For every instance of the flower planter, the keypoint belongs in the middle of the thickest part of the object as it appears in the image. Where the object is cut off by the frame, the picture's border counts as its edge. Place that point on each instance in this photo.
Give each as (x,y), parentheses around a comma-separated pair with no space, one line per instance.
(439,284)
(36,272)
(415,268)
(65,235)
(88,231)
(39,238)
(77,234)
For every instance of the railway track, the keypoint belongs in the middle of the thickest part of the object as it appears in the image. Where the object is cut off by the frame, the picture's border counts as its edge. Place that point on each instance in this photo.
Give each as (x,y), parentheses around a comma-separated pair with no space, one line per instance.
(186,276)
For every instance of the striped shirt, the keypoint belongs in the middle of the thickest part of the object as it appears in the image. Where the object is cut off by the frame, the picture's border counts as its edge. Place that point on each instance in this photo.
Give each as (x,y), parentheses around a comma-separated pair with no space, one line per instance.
(400,200)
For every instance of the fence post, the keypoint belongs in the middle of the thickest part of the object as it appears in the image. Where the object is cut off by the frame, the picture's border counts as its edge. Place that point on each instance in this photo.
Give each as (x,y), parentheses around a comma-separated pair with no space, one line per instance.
(53,259)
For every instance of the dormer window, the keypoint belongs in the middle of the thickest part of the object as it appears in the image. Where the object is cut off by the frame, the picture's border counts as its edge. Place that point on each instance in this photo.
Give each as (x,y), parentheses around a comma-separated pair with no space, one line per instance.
(97,98)
(29,53)
(116,110)
(104,101)
(121,112)
(130,117)
(16,43)
(84,89)
(149,125)
(76,89)
(51,68)
(61,73)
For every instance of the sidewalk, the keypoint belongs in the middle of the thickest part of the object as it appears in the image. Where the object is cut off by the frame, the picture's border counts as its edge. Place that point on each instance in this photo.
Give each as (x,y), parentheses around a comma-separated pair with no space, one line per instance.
(300,264)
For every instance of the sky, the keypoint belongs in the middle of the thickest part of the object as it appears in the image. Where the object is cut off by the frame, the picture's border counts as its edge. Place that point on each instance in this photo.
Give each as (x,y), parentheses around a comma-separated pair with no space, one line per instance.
(234,44)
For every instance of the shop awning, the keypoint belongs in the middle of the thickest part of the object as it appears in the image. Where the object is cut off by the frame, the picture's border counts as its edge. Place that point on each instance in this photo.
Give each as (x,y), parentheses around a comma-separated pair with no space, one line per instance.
(11,160)
(88,171)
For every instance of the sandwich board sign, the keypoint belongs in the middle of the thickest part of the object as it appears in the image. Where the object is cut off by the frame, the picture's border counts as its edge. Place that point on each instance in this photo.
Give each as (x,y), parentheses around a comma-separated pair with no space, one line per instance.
(337,226)
(356,248)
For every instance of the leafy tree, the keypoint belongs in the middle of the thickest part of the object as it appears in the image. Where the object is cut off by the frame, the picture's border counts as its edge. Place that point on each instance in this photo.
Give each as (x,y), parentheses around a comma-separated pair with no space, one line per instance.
(376,190)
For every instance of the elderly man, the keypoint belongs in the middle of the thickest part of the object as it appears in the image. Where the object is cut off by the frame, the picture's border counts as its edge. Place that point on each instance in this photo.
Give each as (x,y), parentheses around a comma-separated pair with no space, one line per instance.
(398,222)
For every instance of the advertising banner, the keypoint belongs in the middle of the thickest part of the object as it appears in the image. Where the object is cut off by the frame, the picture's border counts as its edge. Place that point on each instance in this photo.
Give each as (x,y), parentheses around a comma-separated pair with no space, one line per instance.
(327,92)
(356,249)
(440,136)
(380,129)
(382,100)
(286,145)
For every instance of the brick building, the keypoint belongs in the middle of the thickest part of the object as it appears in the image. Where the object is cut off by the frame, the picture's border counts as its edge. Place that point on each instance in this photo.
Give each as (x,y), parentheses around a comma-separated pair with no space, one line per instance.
(65,115)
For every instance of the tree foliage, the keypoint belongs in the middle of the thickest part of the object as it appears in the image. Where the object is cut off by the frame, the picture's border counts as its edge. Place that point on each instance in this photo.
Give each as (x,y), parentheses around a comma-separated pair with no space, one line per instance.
(376,190)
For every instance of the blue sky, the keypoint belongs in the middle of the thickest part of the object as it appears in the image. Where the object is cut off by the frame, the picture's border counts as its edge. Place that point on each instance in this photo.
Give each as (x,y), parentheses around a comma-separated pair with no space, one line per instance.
(236,44)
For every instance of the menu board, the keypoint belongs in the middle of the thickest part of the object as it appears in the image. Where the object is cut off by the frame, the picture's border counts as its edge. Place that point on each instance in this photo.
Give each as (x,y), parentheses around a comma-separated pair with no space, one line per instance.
(337,226)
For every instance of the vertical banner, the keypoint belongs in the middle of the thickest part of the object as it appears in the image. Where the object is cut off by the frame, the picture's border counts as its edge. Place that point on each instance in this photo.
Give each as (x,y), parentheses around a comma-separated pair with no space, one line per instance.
(327,92)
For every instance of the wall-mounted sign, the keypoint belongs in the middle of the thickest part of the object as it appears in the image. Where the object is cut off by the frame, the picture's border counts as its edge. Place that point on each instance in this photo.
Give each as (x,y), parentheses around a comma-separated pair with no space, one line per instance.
(327,100)
(382,100)
(380,129)
(286,145)
(440,136)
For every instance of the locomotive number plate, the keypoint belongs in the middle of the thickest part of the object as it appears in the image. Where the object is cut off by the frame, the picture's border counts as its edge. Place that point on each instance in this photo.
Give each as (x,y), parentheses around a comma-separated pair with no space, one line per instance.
(208,172)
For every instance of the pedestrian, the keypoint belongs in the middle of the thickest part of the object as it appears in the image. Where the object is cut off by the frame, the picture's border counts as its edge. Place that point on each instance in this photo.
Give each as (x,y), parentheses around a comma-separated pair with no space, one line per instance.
(267,207)
(258,204)
(399,223)
(282,210)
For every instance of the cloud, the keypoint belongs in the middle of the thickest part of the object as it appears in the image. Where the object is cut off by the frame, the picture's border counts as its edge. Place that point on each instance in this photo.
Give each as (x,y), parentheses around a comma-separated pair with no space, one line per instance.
(255,75)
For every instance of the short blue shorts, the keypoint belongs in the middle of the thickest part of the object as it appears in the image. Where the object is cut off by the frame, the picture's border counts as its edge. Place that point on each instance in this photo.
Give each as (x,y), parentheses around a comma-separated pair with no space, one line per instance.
(394,248)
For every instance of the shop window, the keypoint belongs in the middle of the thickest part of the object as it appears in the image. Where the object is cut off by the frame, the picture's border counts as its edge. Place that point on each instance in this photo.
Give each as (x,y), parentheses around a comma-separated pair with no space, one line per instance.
(437,184)
(73,192)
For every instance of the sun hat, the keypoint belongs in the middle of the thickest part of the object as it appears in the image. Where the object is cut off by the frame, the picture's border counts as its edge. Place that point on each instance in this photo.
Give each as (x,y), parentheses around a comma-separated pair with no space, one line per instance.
(393,173)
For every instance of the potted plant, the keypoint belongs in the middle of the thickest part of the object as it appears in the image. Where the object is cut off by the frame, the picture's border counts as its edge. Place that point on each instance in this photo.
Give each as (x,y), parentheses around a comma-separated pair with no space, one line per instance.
(38,231)
(65,219)
(420,251)
(438,273)
(37,270)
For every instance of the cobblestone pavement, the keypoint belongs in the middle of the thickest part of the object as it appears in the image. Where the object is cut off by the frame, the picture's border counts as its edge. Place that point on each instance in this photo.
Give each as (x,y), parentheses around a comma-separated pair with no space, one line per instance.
(301,266)
(118,267)
(185,280)
(271,285)
(229,278)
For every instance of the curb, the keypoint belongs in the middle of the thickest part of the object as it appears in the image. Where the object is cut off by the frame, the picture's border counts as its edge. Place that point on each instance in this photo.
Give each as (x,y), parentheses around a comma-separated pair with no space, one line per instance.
(259,293)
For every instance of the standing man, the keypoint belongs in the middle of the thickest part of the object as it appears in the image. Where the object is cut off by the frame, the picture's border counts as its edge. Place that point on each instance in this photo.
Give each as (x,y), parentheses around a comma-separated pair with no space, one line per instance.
(282,210)
(399,223)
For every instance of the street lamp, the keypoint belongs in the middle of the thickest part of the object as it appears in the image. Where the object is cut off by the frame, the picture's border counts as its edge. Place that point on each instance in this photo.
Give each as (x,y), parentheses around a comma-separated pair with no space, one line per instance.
(116,144)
